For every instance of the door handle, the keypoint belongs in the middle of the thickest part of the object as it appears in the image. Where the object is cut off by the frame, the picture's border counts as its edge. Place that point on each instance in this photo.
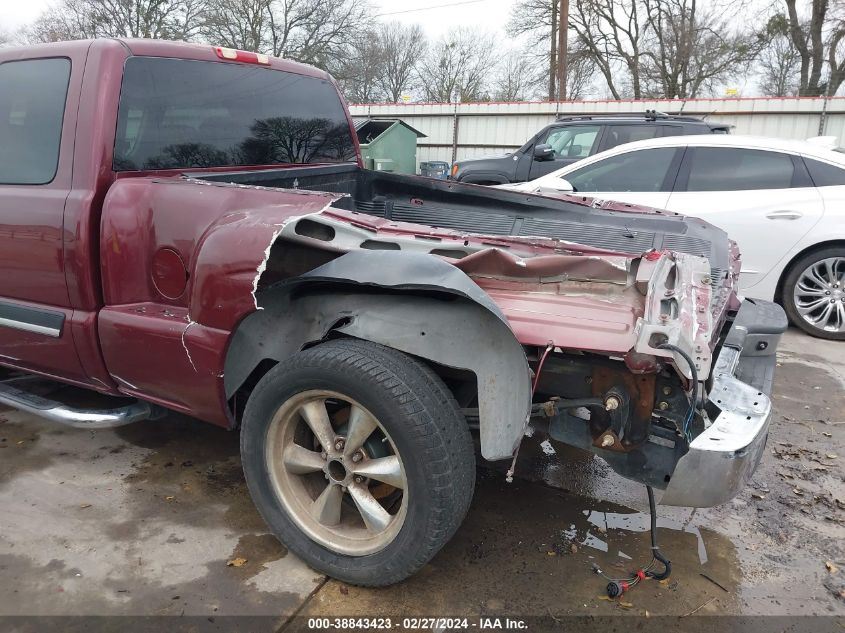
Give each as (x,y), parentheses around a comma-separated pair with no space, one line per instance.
(784,214)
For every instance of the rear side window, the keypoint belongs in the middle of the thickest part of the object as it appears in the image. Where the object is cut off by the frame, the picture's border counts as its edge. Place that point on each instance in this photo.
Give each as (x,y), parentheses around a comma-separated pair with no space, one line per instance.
(177,114)
(32,106)
(824,174)
(619,134)
(738,169)
(573,142)
(642,170)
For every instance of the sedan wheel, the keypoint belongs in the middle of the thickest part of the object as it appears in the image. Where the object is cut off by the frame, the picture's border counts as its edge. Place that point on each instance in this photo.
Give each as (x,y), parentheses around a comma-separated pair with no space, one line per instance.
(814,294)
(359,459)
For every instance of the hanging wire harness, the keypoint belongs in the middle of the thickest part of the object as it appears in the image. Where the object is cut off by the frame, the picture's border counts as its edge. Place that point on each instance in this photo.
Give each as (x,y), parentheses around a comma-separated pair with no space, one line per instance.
(617,586)
(693,389)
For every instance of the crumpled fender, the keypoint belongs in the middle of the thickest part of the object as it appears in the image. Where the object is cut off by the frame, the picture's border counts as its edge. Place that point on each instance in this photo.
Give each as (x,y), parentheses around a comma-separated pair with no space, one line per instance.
(441,315)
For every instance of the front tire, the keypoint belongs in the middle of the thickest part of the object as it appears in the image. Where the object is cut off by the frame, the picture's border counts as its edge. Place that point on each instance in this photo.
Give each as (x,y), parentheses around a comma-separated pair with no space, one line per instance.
(814,293)
(359,460)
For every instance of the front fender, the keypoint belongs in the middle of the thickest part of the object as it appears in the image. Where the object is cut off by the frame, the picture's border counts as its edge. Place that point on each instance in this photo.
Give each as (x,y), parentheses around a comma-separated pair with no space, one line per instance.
(423,306)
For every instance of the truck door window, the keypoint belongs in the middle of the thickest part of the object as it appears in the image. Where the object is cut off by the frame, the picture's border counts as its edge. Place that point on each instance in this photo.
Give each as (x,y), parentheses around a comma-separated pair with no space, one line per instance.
(178,114)
(573,142)
(32,106)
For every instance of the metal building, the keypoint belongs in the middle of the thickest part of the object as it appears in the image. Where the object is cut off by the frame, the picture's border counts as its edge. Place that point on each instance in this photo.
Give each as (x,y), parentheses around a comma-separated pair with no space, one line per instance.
(455,131)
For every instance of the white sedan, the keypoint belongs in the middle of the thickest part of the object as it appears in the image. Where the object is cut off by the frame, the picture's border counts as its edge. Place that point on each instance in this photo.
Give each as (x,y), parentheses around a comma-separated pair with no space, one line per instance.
(782,201)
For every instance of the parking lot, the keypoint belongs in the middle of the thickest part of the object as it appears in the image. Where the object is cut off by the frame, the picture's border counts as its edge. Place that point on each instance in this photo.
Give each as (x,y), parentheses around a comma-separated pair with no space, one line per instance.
(155,519)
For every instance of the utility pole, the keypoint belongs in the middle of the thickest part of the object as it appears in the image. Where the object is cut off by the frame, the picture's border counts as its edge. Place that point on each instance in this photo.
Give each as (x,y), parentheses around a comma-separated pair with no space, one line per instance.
(562,37)
(553,53)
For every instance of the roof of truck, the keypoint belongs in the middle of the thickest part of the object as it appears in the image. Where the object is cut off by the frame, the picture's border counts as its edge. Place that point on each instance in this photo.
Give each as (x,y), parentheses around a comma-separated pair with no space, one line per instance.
(154,48)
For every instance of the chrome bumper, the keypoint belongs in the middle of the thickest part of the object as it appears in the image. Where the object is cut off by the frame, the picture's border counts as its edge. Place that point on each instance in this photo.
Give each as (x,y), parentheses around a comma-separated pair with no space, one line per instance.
(724,456)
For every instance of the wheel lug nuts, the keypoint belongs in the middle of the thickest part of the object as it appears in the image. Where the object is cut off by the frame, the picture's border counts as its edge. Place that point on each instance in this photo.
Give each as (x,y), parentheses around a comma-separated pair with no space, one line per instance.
(323,455)
(357,457)
(339,445)
(359,479)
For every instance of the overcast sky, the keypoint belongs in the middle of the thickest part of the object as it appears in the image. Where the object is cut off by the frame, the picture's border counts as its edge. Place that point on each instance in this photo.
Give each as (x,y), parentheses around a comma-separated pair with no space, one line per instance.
(435,16)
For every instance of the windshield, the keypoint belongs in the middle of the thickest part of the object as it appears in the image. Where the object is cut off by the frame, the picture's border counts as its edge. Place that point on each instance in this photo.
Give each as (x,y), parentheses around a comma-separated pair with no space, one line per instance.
(177,113)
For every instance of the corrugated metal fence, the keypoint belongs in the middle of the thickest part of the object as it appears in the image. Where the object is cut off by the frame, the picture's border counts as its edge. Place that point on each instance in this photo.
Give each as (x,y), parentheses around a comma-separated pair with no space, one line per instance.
(456,131)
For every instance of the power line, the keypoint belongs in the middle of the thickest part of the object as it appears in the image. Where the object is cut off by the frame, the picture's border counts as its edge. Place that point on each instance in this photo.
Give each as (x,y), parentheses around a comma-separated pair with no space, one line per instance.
(437,6)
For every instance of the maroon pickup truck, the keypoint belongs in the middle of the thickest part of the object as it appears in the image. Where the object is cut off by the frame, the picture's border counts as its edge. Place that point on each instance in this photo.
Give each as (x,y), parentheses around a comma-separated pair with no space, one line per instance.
(189,228)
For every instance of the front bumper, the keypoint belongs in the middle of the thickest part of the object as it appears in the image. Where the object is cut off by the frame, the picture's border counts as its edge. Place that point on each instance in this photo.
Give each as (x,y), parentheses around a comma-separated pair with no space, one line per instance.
(722,459)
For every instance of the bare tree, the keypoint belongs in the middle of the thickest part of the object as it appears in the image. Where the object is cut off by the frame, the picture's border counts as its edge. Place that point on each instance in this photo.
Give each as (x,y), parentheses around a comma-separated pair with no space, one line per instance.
(359,71)
(402,49)
(612,32)
(580,73)
(537,20)
(690,49)
(808,40)
(779,61)
(516,78)
(241,24)
(836,48)
(310,31)
(458,66)
(69,20)
(157,19)
(820,41)
(642,48)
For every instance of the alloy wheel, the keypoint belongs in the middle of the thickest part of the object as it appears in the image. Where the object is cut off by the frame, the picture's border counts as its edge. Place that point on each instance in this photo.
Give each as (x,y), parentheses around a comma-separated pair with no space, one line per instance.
(337,472)
(819,294)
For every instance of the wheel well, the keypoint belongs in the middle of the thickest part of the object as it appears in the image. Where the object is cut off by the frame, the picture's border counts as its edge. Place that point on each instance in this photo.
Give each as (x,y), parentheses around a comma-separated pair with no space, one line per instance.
(462,383)
(485,178)
(806,251)
(238,401)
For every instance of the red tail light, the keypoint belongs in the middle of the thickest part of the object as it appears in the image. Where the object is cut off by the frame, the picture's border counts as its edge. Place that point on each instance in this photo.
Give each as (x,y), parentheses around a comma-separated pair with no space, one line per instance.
(233,55)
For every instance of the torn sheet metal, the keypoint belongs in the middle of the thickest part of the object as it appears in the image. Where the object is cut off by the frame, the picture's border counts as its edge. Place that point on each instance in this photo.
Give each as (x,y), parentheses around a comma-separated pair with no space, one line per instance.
(499,264)
(232,255)
(677,310)
(454,324)
(185,345)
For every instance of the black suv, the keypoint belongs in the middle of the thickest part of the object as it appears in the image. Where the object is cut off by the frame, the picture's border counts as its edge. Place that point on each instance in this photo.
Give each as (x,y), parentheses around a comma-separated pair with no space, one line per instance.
(572,138)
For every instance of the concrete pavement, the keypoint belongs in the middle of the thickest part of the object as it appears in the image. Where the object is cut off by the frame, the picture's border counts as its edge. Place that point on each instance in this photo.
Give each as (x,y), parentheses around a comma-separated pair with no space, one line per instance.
(143,520)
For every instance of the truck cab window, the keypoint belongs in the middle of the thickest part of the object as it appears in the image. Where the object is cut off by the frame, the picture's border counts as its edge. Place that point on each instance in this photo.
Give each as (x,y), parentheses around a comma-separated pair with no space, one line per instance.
(180,114)
(32,106)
